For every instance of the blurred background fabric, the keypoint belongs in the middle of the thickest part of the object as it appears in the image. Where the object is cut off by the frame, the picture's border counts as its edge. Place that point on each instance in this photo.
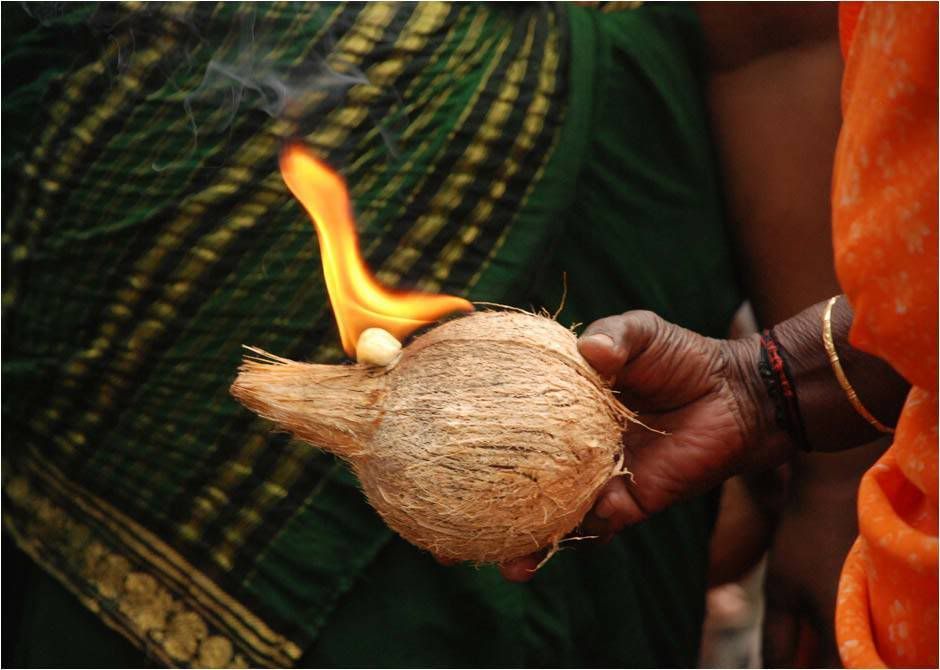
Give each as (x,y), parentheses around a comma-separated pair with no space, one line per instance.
(147,235)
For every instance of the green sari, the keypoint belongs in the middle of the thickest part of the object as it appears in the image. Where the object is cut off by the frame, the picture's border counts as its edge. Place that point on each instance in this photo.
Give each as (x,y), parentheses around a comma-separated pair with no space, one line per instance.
(147,235)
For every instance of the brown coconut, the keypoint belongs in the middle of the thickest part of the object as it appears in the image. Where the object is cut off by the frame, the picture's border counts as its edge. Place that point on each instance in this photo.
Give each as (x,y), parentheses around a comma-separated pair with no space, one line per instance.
(486,440)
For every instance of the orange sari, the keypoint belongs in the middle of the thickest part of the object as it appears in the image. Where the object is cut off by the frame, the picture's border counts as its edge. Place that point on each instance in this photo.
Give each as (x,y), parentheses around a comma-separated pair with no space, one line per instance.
(885,235)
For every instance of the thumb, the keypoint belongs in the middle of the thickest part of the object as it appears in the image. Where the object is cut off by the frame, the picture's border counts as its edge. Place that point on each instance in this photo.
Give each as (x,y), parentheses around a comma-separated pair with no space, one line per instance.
(609,344)
(602,353)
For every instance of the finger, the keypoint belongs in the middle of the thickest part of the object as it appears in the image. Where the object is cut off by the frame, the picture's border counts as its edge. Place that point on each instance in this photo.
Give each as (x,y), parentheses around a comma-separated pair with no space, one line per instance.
(609,344)
(593,526)
(521,569)
(613,498)
(617,506)
(446,562)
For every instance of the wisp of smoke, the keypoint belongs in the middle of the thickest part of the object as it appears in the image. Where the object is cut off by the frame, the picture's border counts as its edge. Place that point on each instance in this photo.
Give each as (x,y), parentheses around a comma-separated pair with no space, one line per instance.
(246,77)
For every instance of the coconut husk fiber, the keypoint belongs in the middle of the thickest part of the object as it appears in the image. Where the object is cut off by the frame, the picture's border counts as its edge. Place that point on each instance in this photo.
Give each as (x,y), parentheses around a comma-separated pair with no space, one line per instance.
(486,440)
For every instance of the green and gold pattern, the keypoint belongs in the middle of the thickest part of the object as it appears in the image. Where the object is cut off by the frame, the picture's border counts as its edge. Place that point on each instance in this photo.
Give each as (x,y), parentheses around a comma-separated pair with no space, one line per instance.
(489,149)
(150,236)
(137,584)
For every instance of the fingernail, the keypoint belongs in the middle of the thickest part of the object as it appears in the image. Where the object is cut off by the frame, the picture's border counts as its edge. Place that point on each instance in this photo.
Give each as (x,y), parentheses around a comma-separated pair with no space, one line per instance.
(600,338)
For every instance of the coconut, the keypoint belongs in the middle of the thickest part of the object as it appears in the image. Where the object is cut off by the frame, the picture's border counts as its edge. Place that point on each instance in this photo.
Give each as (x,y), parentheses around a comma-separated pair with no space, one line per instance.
(485,440)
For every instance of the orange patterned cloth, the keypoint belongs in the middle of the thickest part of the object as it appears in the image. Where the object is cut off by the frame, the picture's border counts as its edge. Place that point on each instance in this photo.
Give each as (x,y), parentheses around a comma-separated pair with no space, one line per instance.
(885,235)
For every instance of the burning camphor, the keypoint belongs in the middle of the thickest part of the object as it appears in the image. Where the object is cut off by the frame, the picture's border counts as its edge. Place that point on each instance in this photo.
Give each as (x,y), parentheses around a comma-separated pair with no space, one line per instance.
(485,439)
(359,301)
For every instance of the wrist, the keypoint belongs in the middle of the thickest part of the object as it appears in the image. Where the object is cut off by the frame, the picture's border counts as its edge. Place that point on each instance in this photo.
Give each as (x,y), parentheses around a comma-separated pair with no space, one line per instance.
(765,443)
(832,422)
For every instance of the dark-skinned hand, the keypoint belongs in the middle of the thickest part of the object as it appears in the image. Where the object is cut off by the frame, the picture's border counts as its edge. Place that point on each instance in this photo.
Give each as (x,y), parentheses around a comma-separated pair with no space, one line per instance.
(698,390)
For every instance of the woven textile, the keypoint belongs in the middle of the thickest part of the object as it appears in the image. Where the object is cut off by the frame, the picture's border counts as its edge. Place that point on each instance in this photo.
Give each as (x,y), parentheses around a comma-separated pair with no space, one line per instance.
(148,235)
(186,222)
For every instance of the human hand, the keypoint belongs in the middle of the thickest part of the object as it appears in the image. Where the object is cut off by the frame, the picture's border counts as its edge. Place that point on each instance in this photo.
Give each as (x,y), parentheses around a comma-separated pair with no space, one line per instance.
(703,393)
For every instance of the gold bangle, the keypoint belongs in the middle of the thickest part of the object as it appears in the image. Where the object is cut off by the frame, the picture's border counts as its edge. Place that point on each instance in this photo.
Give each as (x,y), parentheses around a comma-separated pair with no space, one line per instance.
(840,375)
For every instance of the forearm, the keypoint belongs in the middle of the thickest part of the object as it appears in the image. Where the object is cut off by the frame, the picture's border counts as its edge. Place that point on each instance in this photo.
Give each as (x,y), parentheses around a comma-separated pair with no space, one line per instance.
(773,73)
(829,421)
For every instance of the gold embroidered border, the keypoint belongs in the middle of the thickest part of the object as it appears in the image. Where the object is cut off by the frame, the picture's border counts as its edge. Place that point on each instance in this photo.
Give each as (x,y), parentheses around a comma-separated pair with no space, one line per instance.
(132,580)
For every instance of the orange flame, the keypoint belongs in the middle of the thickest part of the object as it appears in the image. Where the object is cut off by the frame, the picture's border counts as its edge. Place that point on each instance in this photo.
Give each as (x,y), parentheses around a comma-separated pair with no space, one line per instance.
(359,301)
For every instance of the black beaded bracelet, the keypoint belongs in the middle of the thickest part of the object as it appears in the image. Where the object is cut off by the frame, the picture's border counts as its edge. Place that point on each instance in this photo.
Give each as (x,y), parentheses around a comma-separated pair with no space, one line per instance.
(781,388)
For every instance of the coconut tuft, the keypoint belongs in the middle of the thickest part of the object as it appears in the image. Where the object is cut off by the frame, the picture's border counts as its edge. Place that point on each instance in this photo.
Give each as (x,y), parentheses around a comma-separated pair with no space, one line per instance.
(333,407)
(487,440)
